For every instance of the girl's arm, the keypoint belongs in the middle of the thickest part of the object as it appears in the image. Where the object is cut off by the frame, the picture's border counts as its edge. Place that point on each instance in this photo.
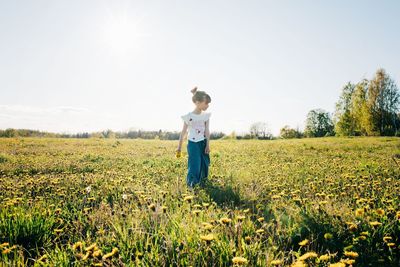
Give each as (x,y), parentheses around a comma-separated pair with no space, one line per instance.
(182,135)
(207,133)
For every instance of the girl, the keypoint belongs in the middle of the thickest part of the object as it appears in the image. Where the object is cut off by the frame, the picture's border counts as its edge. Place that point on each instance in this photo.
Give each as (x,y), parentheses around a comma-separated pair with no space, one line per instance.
(198,146)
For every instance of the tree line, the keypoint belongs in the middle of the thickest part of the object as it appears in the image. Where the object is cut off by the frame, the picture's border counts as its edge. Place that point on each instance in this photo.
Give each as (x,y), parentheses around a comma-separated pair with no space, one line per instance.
(366,108)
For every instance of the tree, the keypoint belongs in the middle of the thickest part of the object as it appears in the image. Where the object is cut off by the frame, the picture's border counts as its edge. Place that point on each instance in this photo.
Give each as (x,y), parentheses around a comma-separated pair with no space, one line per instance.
(343,119)
(260,130)
(383,102)
(286,132)
(360,113)
(318,124)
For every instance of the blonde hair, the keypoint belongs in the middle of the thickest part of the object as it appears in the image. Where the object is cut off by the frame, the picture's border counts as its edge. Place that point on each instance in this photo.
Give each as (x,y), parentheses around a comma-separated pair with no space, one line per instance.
(200,96)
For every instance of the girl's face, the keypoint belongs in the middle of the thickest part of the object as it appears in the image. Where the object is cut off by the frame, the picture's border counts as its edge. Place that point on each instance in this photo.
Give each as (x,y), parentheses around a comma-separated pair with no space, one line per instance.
(202,105)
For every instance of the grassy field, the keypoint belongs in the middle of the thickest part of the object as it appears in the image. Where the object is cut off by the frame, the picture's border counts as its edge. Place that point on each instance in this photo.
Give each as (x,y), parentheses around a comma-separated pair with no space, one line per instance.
(105,202)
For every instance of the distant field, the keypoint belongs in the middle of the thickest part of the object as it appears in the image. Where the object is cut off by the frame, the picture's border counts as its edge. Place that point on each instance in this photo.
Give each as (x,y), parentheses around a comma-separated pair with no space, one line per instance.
(105,202)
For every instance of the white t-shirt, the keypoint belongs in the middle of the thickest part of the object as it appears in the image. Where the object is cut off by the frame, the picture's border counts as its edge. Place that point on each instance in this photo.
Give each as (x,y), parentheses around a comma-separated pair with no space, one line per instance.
(196,125)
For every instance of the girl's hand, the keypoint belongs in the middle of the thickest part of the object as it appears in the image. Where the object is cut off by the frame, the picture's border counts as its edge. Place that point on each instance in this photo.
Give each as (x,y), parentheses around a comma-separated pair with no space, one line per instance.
(207,150)
(178,153)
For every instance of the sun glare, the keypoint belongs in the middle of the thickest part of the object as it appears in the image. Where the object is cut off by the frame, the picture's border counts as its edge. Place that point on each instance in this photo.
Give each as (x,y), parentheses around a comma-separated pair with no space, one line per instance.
(123,34)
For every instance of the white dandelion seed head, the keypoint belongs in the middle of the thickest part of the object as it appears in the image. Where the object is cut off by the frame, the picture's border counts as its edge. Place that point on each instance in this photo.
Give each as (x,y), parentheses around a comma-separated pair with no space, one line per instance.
(88,189)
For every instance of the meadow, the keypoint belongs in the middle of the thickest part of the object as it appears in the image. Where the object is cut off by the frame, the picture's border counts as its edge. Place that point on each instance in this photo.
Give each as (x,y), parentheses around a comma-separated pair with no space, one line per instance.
(115,202)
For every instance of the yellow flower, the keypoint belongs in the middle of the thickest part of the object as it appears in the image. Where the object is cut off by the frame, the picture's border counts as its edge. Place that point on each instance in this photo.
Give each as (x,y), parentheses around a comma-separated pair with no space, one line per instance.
(208,238)
(328,236)
(91,247)
(112,253)
(196,212)
(207,226)
(77,245)
(6,244)
(261,219)
(260,231)
(240,218)
(178,154)
(97,253)
(351,254)
(380,212)
(308,255)
(338,264)
(359,212)
(387,238)
(304,242)
(298,264)
(348,261)
(391,244)
(276,262)
(375,223)
(225,220)
(239,260)
(324,257)
(188,199)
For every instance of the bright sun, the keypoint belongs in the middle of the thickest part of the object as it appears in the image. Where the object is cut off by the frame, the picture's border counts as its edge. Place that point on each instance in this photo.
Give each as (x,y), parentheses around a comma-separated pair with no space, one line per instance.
(122,34)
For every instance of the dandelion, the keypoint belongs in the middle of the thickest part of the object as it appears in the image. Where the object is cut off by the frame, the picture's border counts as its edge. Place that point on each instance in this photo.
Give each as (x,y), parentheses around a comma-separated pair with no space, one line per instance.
(308,255)
(387,238)
(359,212)
(348,261)
(351,254)
(260,231)
(112,253)
(324,257)
(391,244)
(364,233)
(328,236)
(337,264)
(91,247)
(239,260)
(240,218)
(77,245)
(276,262)
(398,215)
(208,238)
(225,220)
(86,256)
(248,210)
(6,244)
(247,239)
(380,212)
(188,199)
(196,212)
(207,226)
(97,253)
(298,264)
(375,223)
(178,154)
(261,219)
(304,242)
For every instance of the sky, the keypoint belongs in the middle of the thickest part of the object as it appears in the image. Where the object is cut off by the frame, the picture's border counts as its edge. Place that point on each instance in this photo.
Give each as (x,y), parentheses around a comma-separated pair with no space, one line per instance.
(85,66)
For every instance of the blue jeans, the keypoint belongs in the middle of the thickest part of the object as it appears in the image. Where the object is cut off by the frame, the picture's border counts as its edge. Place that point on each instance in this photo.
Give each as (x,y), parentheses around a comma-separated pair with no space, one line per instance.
(198,162)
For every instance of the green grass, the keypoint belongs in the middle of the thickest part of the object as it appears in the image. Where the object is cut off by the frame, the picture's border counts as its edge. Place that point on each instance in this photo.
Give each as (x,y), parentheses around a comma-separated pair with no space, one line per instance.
(131,195)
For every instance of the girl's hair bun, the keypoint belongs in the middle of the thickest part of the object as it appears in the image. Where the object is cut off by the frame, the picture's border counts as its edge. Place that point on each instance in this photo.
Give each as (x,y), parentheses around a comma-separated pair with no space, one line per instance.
(194,90)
